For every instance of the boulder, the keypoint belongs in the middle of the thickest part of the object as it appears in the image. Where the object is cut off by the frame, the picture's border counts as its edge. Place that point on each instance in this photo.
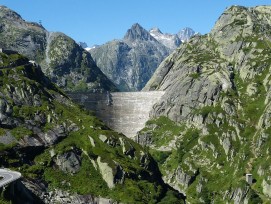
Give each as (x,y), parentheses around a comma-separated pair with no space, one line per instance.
(68,162)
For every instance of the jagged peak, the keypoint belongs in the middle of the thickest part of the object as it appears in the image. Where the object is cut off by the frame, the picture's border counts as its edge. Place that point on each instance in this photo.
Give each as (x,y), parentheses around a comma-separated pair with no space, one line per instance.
(187,30)
(83,44)
(137,32)
(155,30)
(186,33)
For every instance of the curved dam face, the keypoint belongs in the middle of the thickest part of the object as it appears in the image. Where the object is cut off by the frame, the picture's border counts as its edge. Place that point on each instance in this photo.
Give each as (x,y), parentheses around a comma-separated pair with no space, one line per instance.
(124,112)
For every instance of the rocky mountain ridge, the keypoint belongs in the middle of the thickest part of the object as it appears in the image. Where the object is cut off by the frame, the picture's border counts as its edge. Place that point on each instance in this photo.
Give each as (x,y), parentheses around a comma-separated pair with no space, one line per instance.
(62,59)
(212,126)
(172,41)
(131,61)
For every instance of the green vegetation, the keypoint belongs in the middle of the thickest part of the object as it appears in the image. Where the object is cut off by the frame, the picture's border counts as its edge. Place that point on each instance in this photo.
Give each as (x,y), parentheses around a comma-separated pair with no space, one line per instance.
(87,181)
(195,75)
(41,108)
(160,156)
(206,157)
(163,130)
(204,111)
(12,60)
(20,132)
(189,139)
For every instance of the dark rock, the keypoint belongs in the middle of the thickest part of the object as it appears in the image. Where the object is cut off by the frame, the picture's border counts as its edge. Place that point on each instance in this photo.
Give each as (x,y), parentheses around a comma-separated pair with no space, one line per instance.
(68,162)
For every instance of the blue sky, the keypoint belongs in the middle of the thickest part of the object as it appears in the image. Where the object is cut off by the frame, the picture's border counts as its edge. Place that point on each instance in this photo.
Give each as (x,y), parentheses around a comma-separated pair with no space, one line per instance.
(99,21)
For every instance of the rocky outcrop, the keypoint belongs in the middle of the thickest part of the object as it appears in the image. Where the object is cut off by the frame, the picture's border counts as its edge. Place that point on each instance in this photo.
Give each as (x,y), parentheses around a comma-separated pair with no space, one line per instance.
(62,59)
(69,162)
(179,177)
(28,192)
(266,188)
(44,139)
(6,114)
(107,173)
(62,197)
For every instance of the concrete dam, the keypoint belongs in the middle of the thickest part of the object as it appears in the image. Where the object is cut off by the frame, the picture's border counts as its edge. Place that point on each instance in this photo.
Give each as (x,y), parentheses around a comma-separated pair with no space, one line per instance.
(125,112)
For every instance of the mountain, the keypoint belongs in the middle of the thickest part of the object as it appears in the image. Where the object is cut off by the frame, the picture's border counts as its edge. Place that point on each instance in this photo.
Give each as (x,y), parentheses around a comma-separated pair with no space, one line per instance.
(137,33)
(211,129)
(130,62)
(171,41)
(89,48)
(65,154)
(61,58)
(185,34)
(83,44)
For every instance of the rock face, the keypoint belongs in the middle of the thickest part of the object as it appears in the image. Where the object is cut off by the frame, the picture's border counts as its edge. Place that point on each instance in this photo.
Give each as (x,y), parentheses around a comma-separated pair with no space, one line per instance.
(172,41)
(24,194)
(83,44)
(130,62)
(185,34)
(217,96)
(65,154)
(69,162)
(62,59)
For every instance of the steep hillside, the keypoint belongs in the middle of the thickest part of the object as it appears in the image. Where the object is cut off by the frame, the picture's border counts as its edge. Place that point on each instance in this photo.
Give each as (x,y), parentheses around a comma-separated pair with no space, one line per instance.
(130,62)
(212,126)
(65,154)
(62,59)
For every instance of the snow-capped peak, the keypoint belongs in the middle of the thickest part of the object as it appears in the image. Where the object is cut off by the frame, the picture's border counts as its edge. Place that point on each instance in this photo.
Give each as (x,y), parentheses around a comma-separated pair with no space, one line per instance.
(90,48)
(169,40)
(155,31)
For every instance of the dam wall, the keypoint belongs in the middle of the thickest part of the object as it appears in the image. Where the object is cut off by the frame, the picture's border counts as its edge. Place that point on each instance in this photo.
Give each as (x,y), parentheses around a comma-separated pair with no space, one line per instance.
(124,112)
